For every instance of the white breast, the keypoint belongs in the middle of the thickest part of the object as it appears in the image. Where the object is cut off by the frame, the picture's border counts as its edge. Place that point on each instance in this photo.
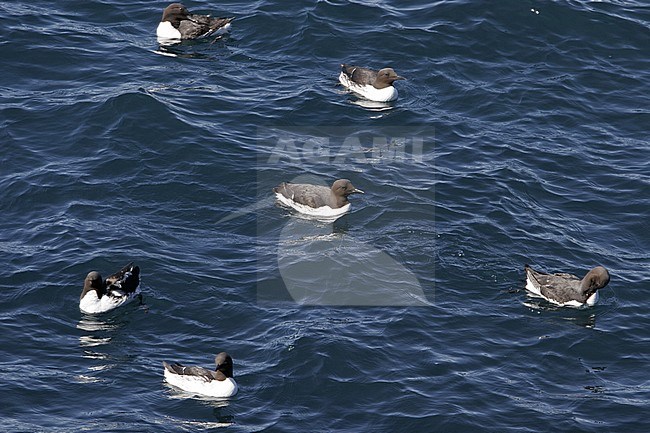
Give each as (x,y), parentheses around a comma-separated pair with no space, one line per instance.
(165,30)
(198,385)
(593,299)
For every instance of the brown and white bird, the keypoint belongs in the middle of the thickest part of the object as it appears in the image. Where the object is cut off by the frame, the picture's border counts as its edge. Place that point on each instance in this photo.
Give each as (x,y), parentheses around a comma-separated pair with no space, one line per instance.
(373,85)
(317,200)
(178,23)
(567,289)
(100,296)
(198,380)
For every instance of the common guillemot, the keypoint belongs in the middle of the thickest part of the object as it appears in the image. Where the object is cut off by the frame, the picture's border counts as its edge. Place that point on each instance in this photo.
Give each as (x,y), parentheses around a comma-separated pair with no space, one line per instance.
(373,85)
(212,383)
(317,200)
(178,23)
(567,289)
(100,296)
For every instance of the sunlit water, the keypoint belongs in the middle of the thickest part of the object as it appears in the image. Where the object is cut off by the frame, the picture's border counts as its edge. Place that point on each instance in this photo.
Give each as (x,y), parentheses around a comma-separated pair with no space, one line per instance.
(520,136)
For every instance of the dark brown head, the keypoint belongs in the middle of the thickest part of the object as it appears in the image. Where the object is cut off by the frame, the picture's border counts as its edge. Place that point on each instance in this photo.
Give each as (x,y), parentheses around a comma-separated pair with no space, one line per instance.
(341,189)
(595,279)
(385,78)
(344,188)
(93,281)
(174,13)
(223,362)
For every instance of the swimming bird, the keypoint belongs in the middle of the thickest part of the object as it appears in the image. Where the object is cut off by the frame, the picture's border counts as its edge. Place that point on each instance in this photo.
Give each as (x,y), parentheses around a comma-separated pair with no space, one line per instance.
(199,380)
(179,23)
(99,296)
(567,289)
(373,85)
(317,200)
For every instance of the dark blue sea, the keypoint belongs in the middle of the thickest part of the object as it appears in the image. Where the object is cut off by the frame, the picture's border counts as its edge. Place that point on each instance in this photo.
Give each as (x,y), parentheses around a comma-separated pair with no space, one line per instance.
(520,136)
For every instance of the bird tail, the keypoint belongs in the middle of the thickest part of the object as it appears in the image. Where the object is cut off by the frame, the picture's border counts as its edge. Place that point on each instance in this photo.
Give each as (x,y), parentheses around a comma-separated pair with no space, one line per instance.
(347,69)
(175,367)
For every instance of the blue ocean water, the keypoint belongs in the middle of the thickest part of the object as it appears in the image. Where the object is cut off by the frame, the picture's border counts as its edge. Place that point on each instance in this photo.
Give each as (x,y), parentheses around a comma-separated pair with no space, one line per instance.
(520,136)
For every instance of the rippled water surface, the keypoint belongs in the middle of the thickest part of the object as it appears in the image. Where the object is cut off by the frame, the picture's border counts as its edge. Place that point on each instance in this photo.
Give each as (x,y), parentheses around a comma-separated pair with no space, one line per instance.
(520,136)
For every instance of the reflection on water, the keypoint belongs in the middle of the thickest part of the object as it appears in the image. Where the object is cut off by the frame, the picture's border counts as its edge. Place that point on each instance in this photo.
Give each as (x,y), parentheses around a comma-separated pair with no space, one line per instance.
(322,267)
(174,392)
(91,323)
(81,378)
(583,316)
(169,51)
(168,42)
(99,332)
(318,220)
(182,48)
(174,42)
(164,52)
(218,410)
(372,105)
(190,425)
(90,340)
(218,406)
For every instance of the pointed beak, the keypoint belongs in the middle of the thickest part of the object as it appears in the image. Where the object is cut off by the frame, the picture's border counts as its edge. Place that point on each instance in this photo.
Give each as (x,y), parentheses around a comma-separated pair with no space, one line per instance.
(400,78)
(358,190)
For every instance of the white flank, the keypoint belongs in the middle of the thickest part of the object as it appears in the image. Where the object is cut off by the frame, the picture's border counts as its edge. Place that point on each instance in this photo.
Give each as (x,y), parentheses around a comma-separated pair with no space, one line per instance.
(323,211)
(386,94)
(532,288)
(198,385)
(91,304)
(222,30)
